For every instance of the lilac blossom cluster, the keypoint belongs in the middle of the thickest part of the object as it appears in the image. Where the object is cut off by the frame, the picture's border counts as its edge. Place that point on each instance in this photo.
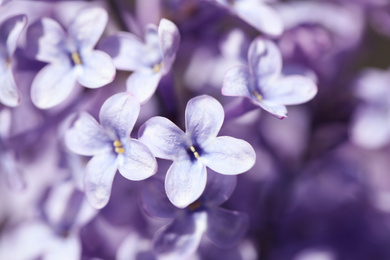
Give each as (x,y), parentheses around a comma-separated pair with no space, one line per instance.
(195,129)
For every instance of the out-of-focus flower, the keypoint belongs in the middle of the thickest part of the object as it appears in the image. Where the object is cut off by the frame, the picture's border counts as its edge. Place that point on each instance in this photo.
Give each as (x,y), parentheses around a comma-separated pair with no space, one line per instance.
(370,127)
(263,83)
(111,147)
(180,239)
(150,60)
(10,31)
(55,234)
(256,13)
(70,55)
(195,149)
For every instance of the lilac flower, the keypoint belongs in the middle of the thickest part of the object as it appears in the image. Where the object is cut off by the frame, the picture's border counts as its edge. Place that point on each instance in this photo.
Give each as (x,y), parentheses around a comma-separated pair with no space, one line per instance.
(256,13)
(70,55)
(370,127)
(195,149)
(56,234)
(263,83)
(150,60)
(181,238)
(111,147)
(10,30)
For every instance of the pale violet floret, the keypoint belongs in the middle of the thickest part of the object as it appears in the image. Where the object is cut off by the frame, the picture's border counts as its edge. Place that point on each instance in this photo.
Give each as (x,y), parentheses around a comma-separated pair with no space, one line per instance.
(193,150)
(149,60)
(203,218)
(10,31)
(111,147)
(263,83)
(370,126)
(257,13)
(71,56)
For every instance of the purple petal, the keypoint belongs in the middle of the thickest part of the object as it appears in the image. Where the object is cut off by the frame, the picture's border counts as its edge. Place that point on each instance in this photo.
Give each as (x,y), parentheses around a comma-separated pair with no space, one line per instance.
(228,155)
(204,117)
(143,84)
(260,16)
(265,60)
(185,182)
(126,51)
(46,41)
(237,82)
(169,42)
(277,110)
(87,137)
(88,26)
(138,162)
(97,69)
(181,238)
(164,138)
(291,90)
(10,31)
(52,85)
(9,94)
(119,114)
(226,228)
(218,189)
(154,200)
(99,175)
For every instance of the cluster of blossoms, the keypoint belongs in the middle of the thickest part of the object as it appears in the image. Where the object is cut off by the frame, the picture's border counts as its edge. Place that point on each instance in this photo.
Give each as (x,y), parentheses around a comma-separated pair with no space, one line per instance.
(186,100)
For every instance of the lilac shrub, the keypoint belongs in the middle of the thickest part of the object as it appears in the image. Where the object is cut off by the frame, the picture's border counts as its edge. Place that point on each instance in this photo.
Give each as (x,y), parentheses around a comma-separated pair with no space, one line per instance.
(150,129)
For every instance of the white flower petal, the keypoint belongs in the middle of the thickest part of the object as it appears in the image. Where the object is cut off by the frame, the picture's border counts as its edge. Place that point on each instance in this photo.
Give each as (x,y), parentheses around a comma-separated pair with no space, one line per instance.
(88,26)
(169,42)
(119,114)
(237,82)
(52,85)
(164,138)
(204,117)
(260,16)
(138,162)
(87,137)
(46,41)
(291,90)
(99,175)
(96,70)
(185,182)
(9,94)
(228,155)
(143,84)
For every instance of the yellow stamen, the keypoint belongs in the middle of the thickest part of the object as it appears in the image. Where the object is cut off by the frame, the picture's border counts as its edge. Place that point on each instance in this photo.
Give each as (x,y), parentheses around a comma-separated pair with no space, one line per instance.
(157,67)
(257,95)
(120,150)
(196,154)
(195,205)
(76,58)
(118,147)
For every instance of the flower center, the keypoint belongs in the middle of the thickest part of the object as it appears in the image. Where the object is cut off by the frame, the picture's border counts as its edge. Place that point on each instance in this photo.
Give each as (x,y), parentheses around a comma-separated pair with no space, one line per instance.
(193,150)
(195,205)
(118,147)
(157,67)
(76,58)
(257,95)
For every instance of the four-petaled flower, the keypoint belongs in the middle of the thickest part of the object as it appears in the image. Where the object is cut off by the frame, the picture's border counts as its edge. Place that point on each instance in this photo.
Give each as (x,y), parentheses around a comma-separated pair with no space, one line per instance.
(149,61)
(263,82)
(111,147)
(70,55)
(181,238)
(195,149)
